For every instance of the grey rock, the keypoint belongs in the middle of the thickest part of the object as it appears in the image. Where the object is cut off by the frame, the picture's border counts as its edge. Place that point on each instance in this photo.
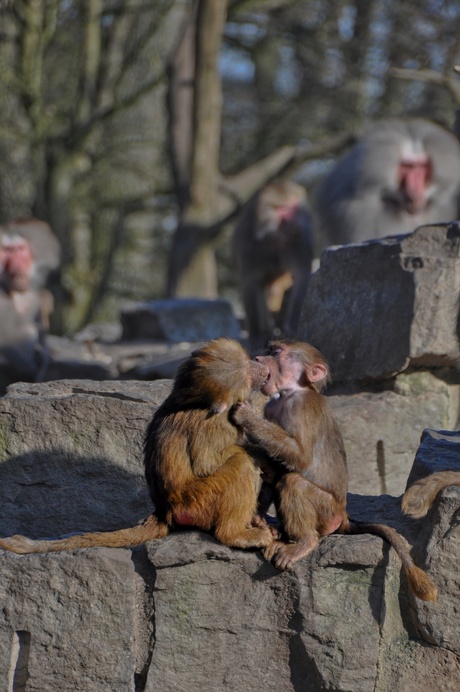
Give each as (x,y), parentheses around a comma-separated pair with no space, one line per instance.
(67,622)
(439,450)
(187,612)
(374,309)
(71,455)
(102,359)
(180,319)
(106,332)
(381,430)
(218,611)
(439,546)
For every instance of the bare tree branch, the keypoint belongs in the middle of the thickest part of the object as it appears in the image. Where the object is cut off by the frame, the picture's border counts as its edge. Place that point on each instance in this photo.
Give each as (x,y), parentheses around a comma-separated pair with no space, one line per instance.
(430,77)
(283,162)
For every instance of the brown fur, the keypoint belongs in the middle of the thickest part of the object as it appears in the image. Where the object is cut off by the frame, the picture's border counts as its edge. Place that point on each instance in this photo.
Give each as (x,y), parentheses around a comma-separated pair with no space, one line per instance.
(418,499)
(273,251)
(198,475)
(301,438)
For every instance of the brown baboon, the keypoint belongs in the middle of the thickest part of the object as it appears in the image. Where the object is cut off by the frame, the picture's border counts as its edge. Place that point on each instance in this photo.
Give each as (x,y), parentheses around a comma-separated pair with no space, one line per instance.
(273,250)
(304,447)
(28,251)
(197,473)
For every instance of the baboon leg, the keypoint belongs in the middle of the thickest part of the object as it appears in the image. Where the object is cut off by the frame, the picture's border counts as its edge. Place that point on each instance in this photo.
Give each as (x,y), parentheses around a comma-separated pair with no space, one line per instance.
(306,513)
(237,483)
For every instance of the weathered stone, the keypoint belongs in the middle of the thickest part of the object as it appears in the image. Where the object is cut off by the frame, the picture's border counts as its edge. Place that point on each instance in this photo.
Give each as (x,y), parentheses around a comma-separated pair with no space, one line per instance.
(439,547)
(229,620)
(64,369)
(71,455)
(439,450)
(179,320)
(67,622)
(438,543)
(187,612)
(142,359)
(381,431)
(375,308)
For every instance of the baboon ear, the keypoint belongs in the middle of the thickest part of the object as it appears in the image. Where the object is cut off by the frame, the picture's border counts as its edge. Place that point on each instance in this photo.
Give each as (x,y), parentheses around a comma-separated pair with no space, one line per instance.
(217,407)
(316,373)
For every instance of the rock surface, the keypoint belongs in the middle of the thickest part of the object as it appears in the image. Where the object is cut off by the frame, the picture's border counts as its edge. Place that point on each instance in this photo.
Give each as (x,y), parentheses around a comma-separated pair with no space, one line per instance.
(71,454)
(187,612)
(68,621)
(375,308)
(381,430)
(179,319)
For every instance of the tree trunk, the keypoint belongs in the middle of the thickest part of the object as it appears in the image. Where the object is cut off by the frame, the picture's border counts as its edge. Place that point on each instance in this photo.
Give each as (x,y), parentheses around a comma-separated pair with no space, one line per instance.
(195,118)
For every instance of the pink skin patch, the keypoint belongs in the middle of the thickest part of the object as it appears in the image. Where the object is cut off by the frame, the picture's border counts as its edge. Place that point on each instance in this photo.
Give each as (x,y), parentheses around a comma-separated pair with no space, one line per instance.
(414,176)
(15,264)
(183,518)
(333,525)
(285,212)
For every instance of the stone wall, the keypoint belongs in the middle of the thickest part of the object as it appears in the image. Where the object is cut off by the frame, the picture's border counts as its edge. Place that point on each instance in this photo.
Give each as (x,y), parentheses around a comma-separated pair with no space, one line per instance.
(384,313)
(187,612)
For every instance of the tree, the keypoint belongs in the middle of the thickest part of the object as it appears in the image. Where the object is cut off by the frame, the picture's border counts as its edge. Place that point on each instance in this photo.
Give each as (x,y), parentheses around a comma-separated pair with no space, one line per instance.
(207,198)
(78,77)
(256,89)
(315,73)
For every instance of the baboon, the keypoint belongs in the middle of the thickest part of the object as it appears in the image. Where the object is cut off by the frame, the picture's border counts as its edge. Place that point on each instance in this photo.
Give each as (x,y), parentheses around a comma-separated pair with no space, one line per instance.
(273,250)
(304,446)
(197,472)
(400,175)
(28,252)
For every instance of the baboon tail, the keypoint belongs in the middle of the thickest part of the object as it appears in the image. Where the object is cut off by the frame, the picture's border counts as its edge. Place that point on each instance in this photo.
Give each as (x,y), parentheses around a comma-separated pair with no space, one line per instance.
(419,582)
(147,530)
(418,499)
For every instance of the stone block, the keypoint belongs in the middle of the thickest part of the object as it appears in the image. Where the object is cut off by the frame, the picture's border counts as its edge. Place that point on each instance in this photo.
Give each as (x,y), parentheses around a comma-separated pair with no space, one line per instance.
(71,455)
(219,610)
(188,612)
(381,431)
(439,450)
(179,320)
(377,307)
(438,541)
(67,622)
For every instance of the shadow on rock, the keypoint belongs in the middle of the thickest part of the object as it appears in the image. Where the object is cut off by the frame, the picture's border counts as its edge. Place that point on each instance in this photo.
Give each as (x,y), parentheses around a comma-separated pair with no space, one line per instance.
(50,493)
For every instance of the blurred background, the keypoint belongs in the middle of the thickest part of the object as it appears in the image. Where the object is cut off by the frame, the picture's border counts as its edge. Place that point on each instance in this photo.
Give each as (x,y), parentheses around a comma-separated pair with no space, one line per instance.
(138,130)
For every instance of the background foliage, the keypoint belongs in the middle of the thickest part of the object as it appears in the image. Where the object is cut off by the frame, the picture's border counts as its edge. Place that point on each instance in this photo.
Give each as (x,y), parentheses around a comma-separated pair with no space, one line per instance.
(85,130)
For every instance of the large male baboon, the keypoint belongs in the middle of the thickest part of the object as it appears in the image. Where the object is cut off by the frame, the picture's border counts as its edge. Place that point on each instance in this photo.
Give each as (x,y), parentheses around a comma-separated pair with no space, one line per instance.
(400,175)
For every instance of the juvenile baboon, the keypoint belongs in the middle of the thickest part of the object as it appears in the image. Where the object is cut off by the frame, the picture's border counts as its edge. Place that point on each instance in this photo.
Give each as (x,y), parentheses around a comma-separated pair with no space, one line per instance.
(304,447)
(197,473)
